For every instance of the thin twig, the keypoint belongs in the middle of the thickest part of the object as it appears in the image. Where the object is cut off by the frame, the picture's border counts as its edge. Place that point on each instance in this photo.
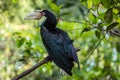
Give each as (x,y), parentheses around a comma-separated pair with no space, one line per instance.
(45,60)
(91,52)
(77,49)
(60,19)
(74,29)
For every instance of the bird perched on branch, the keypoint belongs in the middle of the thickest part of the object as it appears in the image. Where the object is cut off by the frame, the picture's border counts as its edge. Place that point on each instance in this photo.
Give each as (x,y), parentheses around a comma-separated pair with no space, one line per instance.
(56,41)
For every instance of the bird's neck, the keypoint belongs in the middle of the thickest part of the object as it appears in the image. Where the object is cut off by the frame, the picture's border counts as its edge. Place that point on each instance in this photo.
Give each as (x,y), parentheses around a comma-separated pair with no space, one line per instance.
(50,23)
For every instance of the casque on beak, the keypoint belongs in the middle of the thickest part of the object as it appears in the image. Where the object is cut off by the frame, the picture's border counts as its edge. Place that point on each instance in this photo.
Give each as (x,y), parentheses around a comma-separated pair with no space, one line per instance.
(35,15)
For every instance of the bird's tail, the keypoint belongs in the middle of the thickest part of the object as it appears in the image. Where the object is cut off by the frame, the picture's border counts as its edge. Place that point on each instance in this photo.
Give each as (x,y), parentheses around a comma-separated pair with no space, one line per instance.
(62,72)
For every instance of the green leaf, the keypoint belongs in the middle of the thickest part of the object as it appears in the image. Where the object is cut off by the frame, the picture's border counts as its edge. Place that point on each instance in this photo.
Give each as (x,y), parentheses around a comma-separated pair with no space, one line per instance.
(118,47)
(116,11)
(14,1)
(60,6)
(85,30)
(106,3)
(20,41)
(114,39)
(111,26)
(28,44)
(100,25)
(18,33)
(83,10)
(108,17)
(93,18)
(96,1)
(97,33)
(21,60)
(89,3)
(27,52)
(54,7)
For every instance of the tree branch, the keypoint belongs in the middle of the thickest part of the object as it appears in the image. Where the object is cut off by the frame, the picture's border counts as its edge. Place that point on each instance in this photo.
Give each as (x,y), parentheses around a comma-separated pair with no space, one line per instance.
(91,52)
(45,60)
(60,19)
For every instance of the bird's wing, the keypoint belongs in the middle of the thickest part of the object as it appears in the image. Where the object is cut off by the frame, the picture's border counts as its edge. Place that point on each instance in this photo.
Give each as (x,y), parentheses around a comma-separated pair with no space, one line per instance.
(59,48)
(68,46)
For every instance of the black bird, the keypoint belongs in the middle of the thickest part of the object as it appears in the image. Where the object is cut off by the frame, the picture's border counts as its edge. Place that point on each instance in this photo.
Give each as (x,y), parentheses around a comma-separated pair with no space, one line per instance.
(57,42)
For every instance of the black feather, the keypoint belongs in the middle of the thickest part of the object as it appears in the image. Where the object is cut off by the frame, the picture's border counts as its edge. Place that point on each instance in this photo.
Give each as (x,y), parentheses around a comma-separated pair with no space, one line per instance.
(58,44)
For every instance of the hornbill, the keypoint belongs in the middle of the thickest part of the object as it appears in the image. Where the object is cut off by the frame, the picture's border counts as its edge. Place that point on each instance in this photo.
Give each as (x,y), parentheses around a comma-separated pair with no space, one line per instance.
(56,41)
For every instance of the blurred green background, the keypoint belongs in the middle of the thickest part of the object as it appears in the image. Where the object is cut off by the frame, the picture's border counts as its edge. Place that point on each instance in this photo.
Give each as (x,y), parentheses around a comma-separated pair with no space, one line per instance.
(92,24)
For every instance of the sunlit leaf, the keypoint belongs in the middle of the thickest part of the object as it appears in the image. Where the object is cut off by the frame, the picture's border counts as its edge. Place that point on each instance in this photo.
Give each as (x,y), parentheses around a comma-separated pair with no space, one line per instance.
(93,18)
(117,7)
(108,17)
(115,11)
(89,3)
(15,1)
(111,26)
(118,20)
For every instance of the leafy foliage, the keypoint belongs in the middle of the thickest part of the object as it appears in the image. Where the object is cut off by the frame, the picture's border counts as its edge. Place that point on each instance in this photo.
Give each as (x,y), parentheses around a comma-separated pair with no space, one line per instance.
(111,26)
(54,7)
(108,17)
(93,24)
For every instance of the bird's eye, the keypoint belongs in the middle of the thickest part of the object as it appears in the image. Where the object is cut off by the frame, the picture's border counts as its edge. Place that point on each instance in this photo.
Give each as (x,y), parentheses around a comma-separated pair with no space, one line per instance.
(43,13)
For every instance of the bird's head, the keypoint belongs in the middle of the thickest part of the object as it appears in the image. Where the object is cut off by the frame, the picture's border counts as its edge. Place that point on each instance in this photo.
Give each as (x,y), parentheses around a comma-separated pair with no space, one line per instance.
(50,21)
(37,14)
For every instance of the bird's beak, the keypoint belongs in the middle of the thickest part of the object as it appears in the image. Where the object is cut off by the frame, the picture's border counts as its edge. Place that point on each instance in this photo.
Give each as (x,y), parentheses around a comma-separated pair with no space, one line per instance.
(35,15)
